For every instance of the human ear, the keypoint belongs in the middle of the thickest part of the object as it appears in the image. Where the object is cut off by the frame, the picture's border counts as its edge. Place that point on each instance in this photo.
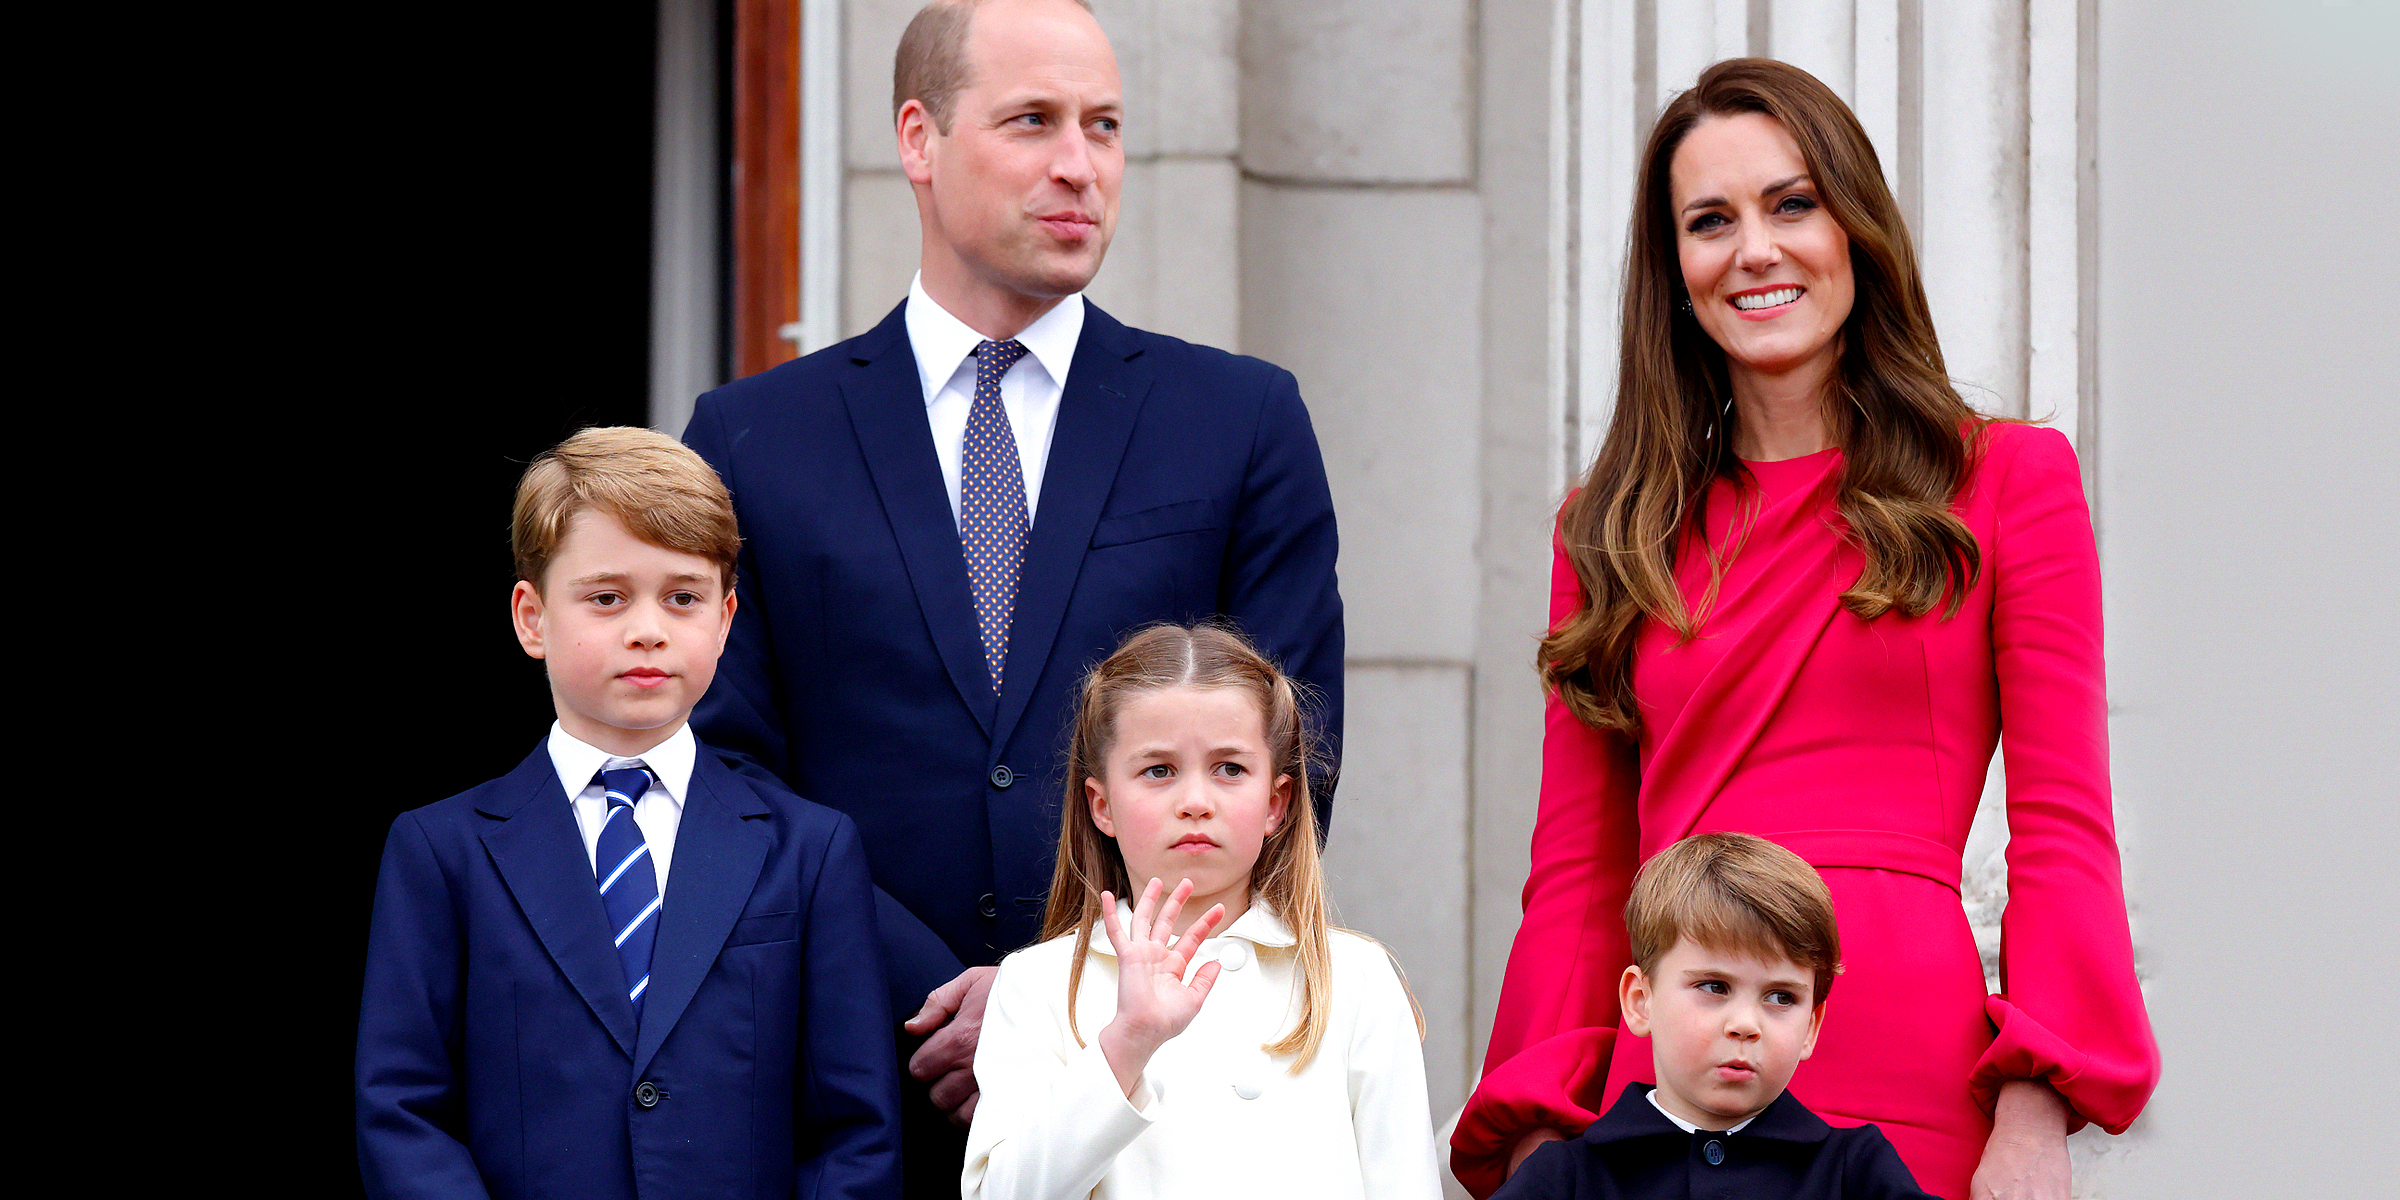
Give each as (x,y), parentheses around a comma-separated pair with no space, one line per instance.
(1816,1021)
(525,614)
(914,128)
(725,627)
(1097,796)
(1279,801)
(1633,1002)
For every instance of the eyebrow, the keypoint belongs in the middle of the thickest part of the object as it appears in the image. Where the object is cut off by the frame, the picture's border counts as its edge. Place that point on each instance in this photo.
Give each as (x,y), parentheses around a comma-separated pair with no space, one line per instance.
(1113,106)
(1769,190)
(621,577)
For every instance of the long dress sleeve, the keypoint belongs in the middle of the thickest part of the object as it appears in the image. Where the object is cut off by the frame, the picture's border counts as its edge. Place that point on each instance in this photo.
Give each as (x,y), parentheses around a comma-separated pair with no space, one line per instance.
(1557,1018)
(2070,1011)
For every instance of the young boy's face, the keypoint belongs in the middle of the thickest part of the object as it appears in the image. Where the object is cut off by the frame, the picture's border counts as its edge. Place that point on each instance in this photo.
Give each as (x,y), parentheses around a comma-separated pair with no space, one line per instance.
(630,632)
(1726,1030)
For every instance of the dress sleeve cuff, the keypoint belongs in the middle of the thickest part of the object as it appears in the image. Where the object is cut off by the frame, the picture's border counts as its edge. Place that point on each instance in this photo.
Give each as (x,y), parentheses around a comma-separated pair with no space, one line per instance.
(1553,1083)
(2024,1049)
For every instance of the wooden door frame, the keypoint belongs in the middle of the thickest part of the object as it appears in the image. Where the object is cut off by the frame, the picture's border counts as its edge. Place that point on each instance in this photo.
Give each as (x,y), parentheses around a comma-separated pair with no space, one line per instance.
(765,179)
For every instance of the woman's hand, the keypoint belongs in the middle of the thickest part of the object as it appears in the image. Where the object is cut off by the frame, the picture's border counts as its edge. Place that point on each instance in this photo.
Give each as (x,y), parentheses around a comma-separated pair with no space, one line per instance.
(1153,1001)
(2026,1158)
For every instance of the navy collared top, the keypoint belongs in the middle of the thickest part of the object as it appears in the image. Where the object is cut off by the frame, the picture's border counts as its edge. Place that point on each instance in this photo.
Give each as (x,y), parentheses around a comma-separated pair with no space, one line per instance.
(1633,1152)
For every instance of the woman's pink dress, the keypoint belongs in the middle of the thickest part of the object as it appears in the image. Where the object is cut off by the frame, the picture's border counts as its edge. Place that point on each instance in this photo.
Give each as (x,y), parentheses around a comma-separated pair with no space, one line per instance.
(1862,747)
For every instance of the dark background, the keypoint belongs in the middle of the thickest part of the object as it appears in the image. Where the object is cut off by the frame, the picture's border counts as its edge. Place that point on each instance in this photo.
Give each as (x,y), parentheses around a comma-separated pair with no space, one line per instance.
(454,207)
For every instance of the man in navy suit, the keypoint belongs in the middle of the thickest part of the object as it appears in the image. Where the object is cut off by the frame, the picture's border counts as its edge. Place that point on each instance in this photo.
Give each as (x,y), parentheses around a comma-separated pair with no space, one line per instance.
(953,515)
(622,969)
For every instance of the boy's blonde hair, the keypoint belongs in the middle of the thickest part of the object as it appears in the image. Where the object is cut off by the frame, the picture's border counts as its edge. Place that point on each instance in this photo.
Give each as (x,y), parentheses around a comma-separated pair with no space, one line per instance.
(1288,876)
(1733,892)
(655,486)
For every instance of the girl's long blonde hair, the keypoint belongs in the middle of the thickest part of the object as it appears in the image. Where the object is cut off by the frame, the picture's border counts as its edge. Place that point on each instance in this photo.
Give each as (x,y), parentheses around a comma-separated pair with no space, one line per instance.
(1288,876)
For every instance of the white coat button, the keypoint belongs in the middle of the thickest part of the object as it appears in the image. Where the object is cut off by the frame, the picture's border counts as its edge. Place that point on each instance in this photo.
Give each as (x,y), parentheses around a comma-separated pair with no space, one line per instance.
(1235,956)
(1247,1091)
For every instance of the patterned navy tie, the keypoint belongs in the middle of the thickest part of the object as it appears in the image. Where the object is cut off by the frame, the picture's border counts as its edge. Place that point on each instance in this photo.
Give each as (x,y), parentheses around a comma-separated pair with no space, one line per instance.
(628,883)
(992,520)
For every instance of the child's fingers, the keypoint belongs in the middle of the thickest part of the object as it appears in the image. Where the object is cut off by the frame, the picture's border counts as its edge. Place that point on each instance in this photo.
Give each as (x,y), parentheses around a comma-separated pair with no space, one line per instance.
(1112,923)
(1143,911)
(1204,979)
(1167,912)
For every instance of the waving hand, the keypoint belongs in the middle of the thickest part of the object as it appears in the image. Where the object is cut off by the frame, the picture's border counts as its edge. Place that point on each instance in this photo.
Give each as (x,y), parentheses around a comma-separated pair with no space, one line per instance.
(1153,1002)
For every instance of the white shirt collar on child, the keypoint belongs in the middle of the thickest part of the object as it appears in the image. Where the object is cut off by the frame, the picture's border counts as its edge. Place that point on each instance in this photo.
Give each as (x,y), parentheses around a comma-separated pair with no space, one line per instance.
(1687,1126)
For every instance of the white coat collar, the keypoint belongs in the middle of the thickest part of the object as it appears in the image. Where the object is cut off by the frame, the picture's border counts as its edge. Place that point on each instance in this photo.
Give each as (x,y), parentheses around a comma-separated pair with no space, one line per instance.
(1259,926)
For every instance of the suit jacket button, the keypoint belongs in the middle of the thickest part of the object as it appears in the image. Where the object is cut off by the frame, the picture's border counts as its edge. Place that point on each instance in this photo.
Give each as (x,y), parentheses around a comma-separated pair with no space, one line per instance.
(1002,777)
(646,1094)
(990,904)
(1715,1152)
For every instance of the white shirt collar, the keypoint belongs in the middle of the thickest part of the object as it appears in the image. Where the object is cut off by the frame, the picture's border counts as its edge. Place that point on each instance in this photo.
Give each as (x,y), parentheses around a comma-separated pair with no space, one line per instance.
(942,342)
(1687,1126)
(671,761)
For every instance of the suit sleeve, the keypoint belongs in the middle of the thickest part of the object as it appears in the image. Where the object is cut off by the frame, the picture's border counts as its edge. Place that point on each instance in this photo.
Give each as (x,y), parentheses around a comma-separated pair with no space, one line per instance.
(1279,567)
(742,715)
(849,1102)
(411,1113)
(741,720)
(2069,1011)
(1556,1022)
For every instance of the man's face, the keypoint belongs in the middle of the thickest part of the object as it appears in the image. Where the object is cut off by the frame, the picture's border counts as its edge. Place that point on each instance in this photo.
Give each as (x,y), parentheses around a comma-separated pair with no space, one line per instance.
(1019,199)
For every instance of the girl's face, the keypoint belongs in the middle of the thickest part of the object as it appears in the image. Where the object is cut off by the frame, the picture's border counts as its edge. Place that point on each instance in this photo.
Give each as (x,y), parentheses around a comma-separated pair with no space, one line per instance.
(1767,267)
(1189,793)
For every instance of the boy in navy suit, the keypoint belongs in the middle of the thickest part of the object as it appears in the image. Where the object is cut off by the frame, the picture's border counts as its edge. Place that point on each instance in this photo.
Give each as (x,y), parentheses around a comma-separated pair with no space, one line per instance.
(622,969)
(1734,949)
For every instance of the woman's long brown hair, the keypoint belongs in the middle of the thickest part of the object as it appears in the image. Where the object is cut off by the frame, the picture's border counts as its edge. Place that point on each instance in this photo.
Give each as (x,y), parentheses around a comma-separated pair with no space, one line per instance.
(1904,432)
(1288,876)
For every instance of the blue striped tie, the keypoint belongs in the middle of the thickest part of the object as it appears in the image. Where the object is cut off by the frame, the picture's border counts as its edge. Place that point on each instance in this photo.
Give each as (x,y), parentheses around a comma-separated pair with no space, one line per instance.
(992,516)
(628,884)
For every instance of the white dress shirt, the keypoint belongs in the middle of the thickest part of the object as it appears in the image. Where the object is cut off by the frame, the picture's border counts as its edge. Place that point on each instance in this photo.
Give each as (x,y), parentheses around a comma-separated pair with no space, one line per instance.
(945,350)
(660,810)
(1214,1115)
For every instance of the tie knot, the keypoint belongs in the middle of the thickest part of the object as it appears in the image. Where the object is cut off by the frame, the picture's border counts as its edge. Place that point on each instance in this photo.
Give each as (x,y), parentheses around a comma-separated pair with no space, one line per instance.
(993,359)
(626,784)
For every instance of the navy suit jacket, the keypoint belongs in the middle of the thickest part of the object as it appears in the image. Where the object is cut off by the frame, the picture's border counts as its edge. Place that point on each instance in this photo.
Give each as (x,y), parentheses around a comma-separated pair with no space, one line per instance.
(498,1054)
(1183,483)
(1787,1153)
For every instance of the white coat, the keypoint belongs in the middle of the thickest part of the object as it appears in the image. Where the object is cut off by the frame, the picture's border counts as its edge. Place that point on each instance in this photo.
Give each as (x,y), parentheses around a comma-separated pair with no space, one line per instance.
(1214,1115)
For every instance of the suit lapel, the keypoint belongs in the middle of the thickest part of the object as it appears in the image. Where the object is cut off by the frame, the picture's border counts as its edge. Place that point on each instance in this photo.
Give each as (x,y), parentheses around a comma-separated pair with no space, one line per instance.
(886,402)
(717,857)
(1104,394)
(540,855)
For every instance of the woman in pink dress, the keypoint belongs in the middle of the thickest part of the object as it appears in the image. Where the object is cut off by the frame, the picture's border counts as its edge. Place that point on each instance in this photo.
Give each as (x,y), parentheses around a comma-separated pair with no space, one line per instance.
(1801,592)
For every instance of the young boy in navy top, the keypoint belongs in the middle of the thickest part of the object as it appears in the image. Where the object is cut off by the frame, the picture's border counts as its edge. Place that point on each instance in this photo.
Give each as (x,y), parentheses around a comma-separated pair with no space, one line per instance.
(623,969)
(1734,948)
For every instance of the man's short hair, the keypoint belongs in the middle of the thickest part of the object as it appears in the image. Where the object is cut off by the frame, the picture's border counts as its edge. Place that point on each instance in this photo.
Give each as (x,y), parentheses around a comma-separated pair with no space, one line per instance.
(1734,893)
(931,67)
(655,486)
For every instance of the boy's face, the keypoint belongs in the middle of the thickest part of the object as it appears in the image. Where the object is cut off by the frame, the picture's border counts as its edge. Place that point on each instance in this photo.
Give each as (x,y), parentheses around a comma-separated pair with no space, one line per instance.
(630,631)
(1726,1030)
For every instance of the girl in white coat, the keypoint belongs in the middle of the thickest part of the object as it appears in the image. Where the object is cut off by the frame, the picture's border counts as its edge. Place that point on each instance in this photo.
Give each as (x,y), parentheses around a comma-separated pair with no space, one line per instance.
(1252,1052)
